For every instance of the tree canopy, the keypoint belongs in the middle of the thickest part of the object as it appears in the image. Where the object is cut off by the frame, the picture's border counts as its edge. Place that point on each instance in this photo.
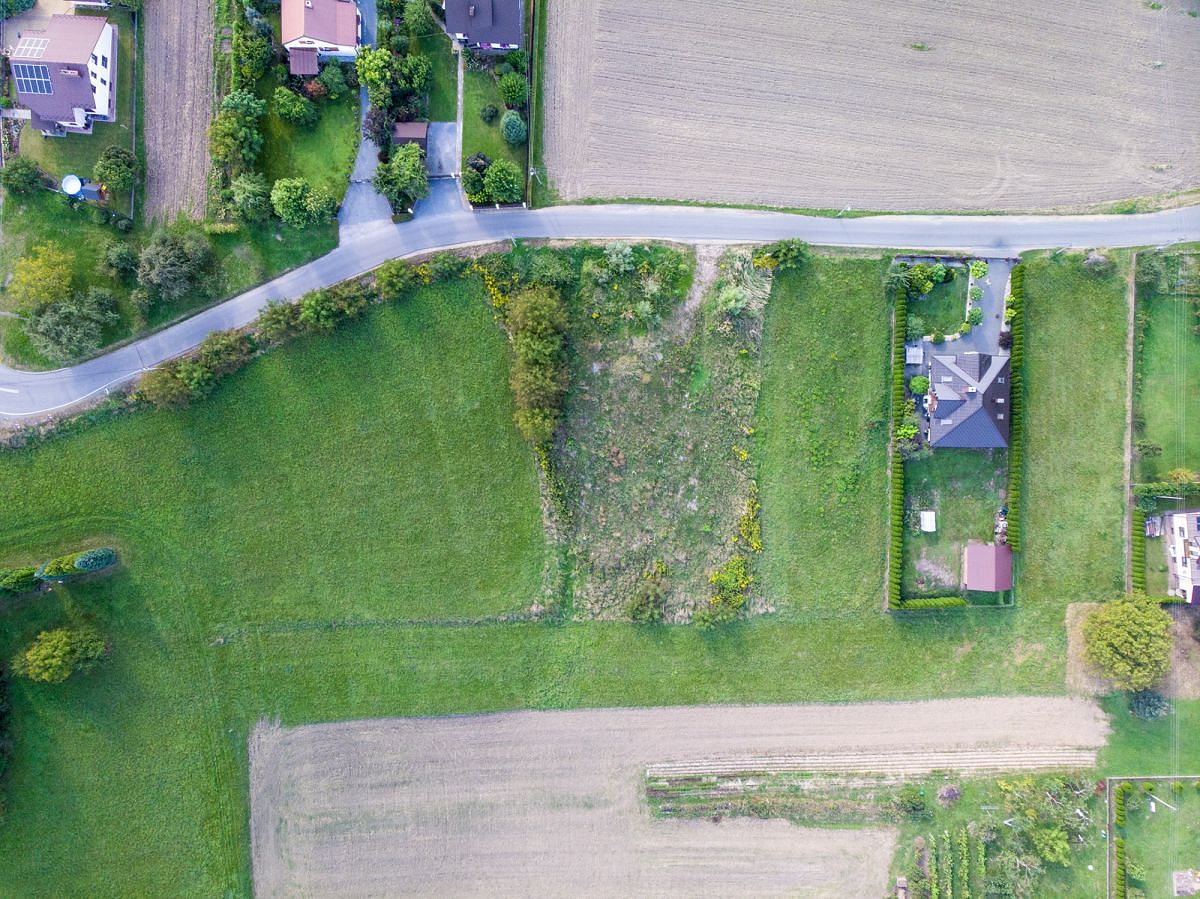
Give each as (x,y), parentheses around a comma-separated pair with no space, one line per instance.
(403,178)
(57,654)
(72,327)
(1129,642)
(41,277)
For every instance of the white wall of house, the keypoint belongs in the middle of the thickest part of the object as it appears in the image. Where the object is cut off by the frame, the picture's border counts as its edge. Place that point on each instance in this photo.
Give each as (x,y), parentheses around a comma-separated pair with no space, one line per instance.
(101,67)
(1182,540)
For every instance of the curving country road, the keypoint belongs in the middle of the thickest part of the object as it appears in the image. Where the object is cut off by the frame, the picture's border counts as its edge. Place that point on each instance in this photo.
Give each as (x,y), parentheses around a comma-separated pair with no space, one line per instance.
(441,222)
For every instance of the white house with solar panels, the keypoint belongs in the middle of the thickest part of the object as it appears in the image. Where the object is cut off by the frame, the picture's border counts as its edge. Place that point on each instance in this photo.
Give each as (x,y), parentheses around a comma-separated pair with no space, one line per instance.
(66,74)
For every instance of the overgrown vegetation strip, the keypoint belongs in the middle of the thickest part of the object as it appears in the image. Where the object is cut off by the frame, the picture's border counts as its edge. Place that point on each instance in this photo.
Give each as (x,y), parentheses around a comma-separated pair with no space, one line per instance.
(1016,436)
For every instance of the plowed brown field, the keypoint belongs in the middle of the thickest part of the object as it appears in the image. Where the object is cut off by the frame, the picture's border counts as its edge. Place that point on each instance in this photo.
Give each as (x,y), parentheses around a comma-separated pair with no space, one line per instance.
(549,803)
(1017,104)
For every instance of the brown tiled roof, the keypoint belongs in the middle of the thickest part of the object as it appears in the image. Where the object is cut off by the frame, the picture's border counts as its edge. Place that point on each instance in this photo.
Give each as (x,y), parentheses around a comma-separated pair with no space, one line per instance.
(325,21)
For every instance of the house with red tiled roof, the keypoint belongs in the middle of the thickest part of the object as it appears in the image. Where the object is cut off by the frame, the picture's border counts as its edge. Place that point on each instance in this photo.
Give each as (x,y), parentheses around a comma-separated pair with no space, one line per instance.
(65,74)
(315,30)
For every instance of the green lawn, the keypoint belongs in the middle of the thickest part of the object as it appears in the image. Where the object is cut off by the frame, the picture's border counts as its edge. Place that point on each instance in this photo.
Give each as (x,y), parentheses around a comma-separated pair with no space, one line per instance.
(943,308)
(443,94)
(963,487)
(1074,496)
(303,547)
(1168,369)
(323,153)
(480,89)
(1164,840)
(77,153)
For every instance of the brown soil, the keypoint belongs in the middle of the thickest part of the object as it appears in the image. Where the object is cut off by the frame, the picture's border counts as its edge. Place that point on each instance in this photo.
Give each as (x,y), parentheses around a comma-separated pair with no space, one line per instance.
(177,87)
(549,803)
(1018,105)
(1080,678)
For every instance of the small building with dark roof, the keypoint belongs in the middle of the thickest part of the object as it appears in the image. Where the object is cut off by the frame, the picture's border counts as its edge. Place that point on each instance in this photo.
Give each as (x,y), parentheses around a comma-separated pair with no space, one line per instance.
(493,26)
(411,133)
(968,402)
(65,74)
(987,567)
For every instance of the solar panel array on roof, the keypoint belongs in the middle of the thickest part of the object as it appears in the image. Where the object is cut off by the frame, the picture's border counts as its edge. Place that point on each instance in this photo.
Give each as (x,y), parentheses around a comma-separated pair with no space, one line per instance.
(32,79)
(31,48)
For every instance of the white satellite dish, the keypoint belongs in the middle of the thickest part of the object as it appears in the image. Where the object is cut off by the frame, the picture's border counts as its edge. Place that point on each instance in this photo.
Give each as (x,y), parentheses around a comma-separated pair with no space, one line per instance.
(71,185)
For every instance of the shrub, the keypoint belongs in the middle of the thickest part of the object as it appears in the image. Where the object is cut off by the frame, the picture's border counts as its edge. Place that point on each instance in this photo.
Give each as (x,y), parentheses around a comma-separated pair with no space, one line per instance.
(513,128)
(649,601)
(15,581)
(162,387)
(519,60)
(73,327)
(514,90)
(919,385)
(975,294)
(975,316)
(96,559)
(377,127)
(730,583)
(333,79)
(234,137)
(40,277)
(394,279)
(223,352)
(750,524)
(251,196)
(537,321)
(293,108)
(252,55)
(299,204)
(979,269)
(934,602)
(1148,705)
(403,179)
(121,260)
(277,323)
(910,803)
(444,266)
(489,113)
(503,182)
(1129,642)
(939,336)
(117,168)
(170,265)
(21,176)
(57,654)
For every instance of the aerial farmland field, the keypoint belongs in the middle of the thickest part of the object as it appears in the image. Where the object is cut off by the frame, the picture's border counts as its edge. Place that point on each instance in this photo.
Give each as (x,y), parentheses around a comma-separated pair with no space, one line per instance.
(876,106)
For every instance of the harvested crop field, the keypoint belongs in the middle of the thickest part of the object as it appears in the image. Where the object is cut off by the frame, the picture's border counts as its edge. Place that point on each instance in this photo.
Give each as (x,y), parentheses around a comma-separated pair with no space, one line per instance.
(993,104)
(177,85)
(549,803)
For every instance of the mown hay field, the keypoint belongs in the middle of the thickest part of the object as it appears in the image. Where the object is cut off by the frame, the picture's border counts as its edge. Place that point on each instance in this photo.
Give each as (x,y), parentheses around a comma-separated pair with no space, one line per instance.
(1008,106)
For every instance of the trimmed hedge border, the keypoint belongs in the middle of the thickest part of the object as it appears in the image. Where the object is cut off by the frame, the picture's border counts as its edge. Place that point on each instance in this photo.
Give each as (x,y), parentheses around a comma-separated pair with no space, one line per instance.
(1016,440)
(895,598)
(1137,550)
(934,602)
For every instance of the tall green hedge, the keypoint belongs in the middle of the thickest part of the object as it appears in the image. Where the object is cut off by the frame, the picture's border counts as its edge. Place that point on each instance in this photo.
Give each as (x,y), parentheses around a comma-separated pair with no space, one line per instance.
(895,598)
(1016,440)
(1137,550)
(77,564)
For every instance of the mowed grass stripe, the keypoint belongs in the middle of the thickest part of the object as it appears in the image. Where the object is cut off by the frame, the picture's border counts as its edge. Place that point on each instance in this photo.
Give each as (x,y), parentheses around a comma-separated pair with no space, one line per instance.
(822,437)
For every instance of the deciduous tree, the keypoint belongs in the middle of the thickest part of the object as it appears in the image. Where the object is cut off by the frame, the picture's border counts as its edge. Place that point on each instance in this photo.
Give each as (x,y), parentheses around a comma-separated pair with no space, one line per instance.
(41,277)
(403,178)
(72,327)
(57,654)
(1129,642)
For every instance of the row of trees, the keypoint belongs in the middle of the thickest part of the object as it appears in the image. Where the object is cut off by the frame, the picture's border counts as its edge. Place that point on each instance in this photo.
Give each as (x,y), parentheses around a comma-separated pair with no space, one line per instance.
(116,169)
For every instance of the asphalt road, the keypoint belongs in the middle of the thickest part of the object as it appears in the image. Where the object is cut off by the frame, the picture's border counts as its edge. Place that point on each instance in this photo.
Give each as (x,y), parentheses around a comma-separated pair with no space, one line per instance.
(441,222)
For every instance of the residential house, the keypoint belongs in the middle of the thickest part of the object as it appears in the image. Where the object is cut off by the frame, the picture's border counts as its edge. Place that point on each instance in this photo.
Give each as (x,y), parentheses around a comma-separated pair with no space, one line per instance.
(65,74)
(315,30)
(968,402)
(987,567)
(1182,533)
(491,26)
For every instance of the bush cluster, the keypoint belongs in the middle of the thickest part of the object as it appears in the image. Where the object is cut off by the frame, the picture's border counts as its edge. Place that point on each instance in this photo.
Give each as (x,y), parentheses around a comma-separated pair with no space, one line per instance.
(649,601)
(934,602)
(1016,424)
(15,581)
(1119,794)
(56,655)
(899,410)
(1148,705)
(1137,550)
(730,583)
(64,568)
(537,321)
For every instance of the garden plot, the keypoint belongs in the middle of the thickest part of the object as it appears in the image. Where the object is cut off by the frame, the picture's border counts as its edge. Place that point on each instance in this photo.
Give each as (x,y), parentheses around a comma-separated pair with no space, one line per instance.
(919,105)
(1157,844)
(965,489)
(548,803)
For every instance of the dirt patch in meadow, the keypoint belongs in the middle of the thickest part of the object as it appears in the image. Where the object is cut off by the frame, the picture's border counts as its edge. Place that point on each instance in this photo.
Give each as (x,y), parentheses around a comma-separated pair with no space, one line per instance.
(1009,105)
(1080,677)
(177,87)
(550,803)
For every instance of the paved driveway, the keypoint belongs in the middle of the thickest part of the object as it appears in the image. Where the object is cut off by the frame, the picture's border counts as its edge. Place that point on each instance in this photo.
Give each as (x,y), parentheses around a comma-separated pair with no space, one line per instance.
(442,152)
(985,337)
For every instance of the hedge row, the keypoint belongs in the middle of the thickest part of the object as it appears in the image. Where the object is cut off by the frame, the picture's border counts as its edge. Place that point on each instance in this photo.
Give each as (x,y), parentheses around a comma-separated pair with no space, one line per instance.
(1016,440)
(27,578)
(895,598)
(934,602)
(1123,789)
(1121,883)
(1137,550)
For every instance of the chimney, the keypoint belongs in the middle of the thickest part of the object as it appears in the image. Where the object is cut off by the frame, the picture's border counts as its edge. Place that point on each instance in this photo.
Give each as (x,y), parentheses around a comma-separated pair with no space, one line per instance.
(471,10)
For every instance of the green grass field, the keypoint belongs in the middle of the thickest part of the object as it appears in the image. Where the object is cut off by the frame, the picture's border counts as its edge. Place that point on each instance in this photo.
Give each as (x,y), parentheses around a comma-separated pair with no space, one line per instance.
(1168,367)
(963,487)
(1074,496)
(443,94)
(342,530)
(480,89)
(943,308)
(323,153)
